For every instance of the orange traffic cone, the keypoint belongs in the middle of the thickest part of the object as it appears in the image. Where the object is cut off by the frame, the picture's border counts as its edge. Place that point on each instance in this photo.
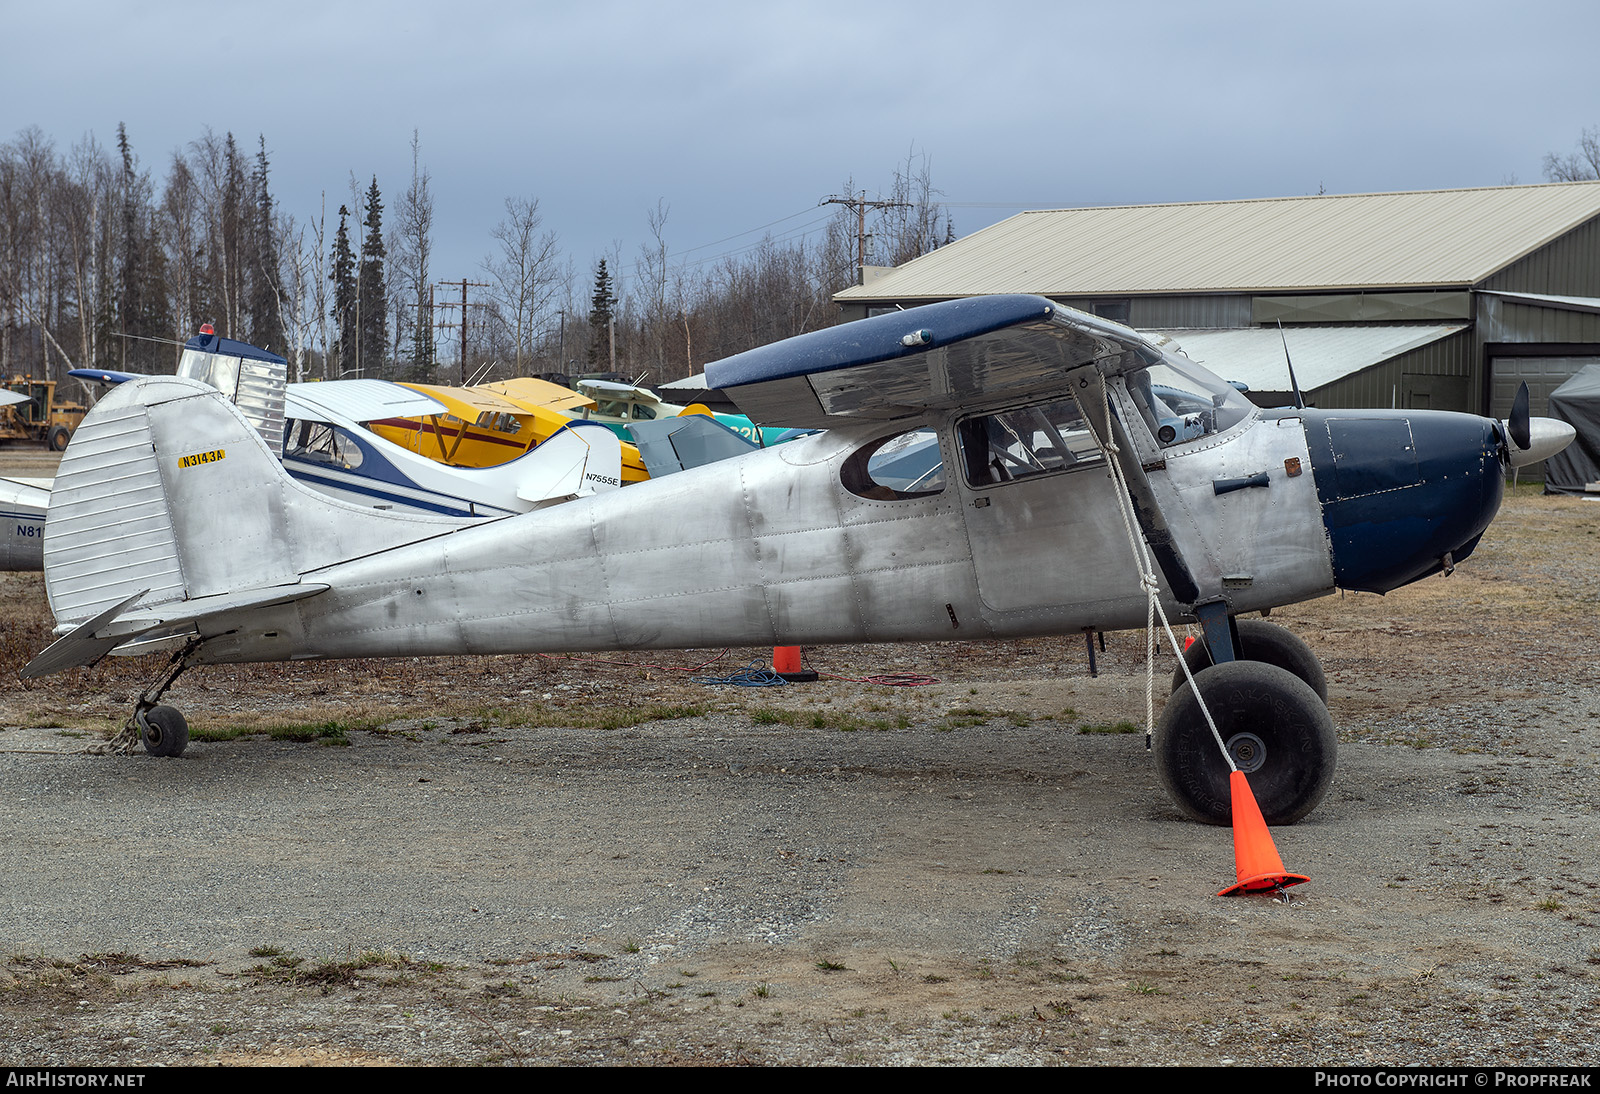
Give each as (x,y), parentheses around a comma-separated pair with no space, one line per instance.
(1255,858)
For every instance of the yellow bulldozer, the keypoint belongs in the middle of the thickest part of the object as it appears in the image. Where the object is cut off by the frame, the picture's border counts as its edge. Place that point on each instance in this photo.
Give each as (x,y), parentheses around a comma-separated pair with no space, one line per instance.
(29,412)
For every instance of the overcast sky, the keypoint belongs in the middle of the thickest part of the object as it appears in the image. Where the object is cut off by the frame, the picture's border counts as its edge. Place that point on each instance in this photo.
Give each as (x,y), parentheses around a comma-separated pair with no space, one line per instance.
(741,115)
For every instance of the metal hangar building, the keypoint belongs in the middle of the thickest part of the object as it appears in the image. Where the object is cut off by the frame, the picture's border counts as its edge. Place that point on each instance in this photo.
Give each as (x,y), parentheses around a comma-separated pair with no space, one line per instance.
(1442,299)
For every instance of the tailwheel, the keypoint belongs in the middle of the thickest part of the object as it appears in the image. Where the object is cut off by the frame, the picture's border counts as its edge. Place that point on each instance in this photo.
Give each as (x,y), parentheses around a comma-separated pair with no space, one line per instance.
(1267,643)
(1275,727)
(163,730)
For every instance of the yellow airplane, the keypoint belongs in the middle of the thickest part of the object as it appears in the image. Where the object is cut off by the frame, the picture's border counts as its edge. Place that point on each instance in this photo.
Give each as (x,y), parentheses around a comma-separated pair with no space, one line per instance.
(488,425)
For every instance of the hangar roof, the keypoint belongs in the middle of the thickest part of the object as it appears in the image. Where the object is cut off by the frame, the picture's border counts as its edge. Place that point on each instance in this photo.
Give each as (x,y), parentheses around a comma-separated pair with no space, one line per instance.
(1418,239)
(1321,355)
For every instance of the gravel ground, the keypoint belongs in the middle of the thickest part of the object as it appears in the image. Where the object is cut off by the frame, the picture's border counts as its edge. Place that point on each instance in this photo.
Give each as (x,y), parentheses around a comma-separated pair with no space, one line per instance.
(544,860)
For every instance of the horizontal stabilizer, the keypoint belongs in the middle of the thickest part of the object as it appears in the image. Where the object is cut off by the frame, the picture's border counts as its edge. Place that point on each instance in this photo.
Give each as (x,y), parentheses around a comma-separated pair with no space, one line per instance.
(90,641)
(79,646)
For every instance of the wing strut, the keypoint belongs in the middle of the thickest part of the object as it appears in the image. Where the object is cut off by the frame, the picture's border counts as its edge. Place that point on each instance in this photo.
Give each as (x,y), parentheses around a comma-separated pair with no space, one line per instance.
(1257,861)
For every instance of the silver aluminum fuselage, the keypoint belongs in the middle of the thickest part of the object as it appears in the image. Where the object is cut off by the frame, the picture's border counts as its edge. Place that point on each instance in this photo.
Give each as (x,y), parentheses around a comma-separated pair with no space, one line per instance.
(771,548)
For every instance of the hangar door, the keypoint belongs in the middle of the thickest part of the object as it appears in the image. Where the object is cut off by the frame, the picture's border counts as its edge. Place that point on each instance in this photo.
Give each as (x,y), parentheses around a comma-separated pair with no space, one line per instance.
(1543,375)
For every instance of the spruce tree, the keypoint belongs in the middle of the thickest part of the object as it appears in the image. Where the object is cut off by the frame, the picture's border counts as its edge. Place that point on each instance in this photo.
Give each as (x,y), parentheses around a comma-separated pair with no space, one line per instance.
(130,271)
(233,243)
(343,277)
(141,290)
(371,290)
(266,319)
(602,309)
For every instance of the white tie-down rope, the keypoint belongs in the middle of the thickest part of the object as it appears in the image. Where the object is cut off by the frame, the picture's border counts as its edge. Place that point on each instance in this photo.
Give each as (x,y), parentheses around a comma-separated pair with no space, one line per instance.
(1152,590)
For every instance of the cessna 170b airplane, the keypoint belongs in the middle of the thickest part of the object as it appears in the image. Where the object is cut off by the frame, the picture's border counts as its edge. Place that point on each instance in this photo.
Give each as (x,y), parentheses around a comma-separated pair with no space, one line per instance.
(174,527)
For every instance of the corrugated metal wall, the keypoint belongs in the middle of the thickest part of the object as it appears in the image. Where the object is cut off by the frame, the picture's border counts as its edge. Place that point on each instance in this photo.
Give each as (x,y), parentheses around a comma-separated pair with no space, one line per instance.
(1502,320)
(1385,384)
(1568,265)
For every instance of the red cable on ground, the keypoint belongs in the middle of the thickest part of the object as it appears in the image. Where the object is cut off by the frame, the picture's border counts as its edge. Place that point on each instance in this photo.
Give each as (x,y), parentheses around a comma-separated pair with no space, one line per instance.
(888,680)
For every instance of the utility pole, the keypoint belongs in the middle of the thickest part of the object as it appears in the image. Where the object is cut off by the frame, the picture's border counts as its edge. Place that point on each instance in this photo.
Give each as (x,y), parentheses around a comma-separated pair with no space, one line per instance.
(463,305)
(861,205)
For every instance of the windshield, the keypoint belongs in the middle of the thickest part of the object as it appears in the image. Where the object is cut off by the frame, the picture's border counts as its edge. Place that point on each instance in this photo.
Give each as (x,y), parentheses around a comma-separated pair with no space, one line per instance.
(1180,401)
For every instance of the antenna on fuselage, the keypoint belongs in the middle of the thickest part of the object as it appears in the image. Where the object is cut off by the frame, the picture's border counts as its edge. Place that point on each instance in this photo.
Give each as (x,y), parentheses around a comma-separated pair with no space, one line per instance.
(1299,401)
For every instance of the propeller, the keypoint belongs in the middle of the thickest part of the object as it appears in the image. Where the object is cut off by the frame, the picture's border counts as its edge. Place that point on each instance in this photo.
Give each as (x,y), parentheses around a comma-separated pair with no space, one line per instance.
(1529,440)
(1517,424)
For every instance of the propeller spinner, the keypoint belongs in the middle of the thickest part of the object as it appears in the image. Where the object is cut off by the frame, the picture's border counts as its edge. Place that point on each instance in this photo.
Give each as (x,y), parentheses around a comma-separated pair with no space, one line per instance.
(1529,440)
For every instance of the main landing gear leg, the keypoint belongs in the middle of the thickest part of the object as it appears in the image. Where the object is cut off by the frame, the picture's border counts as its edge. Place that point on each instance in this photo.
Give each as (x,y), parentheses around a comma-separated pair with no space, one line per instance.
(162,729)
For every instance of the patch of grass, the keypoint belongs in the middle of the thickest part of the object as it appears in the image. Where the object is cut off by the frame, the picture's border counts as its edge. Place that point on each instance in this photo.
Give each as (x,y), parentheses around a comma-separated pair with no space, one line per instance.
(332,732)
(832,966)
(1550,904)
(1144,987)
(827,719)
(1118,727)
(266,951)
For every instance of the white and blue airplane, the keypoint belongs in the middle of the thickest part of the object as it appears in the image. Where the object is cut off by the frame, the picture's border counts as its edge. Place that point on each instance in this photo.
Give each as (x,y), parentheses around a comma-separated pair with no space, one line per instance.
(318,429)
(174,527)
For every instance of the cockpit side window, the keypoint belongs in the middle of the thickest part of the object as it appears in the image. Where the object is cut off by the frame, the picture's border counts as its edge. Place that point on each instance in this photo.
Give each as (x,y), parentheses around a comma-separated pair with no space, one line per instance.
(323,443)
(895,468)
(1031,440)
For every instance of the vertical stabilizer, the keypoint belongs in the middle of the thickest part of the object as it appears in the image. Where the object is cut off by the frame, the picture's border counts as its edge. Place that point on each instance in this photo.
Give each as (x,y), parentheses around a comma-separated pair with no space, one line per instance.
(167,487)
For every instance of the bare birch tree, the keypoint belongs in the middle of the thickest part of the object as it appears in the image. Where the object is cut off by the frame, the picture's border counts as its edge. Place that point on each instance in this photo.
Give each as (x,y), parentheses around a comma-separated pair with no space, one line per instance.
(1580,166)
(524,275)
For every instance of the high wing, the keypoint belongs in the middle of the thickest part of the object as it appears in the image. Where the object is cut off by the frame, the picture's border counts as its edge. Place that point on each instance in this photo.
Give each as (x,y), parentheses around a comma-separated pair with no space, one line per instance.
(356,400)
(904,364)
(609,389)
(11,398)
(102,375)
(533,392)
(467,403)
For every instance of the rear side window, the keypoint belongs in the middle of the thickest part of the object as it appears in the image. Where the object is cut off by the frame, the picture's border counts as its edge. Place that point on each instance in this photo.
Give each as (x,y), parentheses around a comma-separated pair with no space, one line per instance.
(1031,440)
(905,465)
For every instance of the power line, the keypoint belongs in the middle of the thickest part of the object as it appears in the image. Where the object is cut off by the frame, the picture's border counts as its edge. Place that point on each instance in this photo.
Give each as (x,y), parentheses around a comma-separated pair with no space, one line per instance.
(798,231)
